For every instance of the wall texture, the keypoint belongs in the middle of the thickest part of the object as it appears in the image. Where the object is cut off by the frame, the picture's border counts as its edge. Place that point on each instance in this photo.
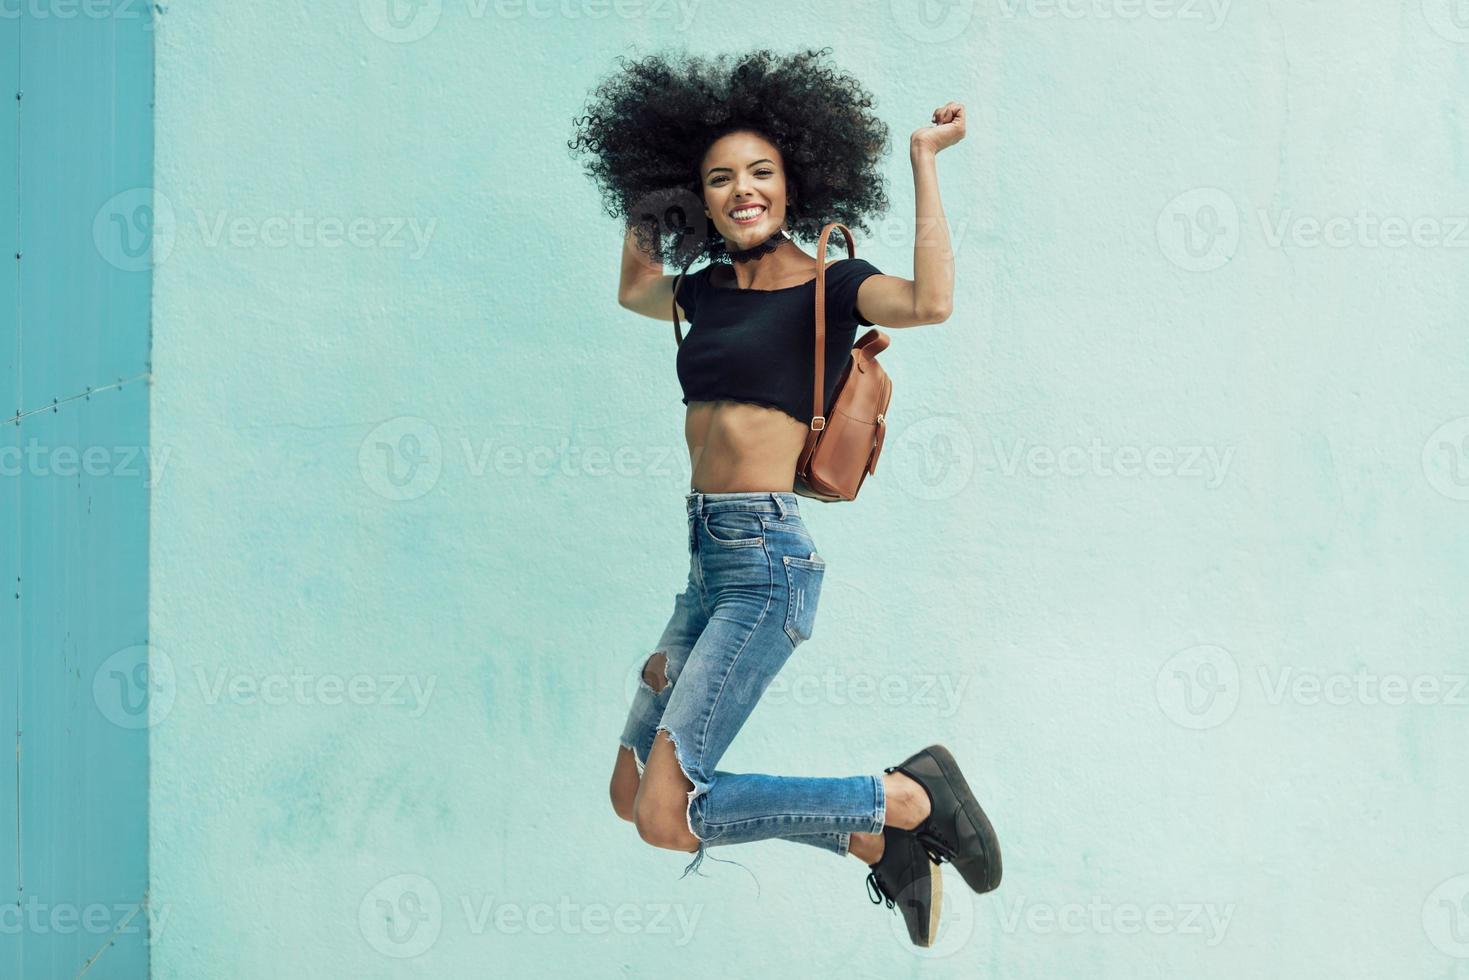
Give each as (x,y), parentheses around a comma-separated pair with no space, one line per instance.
(1168,543)
(76,143)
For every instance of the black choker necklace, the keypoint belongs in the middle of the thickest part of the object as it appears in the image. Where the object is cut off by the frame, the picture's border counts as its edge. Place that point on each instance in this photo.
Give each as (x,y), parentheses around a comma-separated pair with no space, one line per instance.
(770,244)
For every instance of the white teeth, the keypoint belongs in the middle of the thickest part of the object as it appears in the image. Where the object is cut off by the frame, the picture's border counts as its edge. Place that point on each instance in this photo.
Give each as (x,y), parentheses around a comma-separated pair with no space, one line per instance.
(744,213)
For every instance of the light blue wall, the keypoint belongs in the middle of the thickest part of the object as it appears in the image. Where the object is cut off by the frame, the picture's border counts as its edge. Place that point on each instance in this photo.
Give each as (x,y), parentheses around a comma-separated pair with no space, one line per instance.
(75,133)
(356,493)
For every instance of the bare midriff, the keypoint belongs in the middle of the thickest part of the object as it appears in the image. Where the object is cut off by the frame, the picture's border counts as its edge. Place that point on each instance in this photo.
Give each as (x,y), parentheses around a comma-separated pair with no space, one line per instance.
(735,446)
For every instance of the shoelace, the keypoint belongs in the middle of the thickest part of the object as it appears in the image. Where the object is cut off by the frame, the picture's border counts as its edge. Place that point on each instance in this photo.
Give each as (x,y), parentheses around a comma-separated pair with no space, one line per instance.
(935,843)
(874,882)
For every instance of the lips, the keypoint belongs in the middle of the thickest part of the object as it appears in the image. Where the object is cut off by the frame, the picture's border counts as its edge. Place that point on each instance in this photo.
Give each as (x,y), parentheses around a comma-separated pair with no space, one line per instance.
(755,213)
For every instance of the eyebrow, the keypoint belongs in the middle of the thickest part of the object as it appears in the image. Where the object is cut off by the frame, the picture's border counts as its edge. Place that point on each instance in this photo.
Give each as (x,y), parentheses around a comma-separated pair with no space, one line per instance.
(761,160)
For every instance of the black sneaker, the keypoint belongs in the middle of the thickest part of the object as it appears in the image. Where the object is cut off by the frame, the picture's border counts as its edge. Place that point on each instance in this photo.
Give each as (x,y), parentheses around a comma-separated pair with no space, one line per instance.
(956,830)
(904,877)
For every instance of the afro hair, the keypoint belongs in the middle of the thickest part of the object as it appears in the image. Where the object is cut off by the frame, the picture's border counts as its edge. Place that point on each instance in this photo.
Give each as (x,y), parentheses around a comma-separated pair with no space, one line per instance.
(648,125)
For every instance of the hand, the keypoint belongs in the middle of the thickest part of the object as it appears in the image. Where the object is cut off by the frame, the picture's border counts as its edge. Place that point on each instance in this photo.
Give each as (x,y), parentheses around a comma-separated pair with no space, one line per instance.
(947,129)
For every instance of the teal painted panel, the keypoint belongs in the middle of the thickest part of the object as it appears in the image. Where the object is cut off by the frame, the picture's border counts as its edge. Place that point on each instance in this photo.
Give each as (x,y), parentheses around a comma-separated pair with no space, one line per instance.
(9,681)
(9,214)
(83,764)
(79,496)
(9,492)
(84,267)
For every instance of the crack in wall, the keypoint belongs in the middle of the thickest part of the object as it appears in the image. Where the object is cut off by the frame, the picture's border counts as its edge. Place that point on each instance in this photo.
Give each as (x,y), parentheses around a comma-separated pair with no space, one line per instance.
(91,960)
(57,402)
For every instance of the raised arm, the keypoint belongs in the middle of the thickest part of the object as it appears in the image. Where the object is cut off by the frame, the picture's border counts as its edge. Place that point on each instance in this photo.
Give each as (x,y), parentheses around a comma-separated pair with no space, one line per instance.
(892,301)
(643,287)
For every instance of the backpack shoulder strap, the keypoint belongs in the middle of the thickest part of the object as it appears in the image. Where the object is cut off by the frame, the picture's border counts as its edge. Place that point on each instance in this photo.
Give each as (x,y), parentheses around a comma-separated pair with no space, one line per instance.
(677,334)
(817,408)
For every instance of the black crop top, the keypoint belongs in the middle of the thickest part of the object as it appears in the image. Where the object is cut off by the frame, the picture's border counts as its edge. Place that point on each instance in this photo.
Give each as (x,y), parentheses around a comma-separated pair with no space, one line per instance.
(759,345)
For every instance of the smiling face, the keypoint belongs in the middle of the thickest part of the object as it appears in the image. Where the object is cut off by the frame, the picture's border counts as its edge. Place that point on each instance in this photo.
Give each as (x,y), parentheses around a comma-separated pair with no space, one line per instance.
(744,188)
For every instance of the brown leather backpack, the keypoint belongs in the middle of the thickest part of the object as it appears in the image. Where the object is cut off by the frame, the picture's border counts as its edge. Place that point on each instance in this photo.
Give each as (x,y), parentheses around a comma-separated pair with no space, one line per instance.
(842,447)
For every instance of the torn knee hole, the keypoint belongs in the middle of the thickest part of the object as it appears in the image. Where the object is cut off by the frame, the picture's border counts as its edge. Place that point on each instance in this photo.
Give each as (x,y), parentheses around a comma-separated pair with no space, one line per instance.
(655,672)
(696,787)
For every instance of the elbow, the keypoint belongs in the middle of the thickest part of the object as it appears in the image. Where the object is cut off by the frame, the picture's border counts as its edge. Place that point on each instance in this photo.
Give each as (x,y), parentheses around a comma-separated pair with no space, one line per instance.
(935,314)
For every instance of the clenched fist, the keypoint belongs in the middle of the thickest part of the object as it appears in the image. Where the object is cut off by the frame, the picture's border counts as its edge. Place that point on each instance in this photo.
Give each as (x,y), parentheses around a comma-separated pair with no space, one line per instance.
(947,129)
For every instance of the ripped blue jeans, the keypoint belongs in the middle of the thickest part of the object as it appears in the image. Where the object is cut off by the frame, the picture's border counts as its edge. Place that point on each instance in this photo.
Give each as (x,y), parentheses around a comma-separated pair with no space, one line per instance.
(751,598)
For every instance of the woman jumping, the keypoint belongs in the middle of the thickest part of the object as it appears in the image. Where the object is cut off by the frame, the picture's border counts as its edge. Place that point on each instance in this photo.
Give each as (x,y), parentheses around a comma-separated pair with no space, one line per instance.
(734,159)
